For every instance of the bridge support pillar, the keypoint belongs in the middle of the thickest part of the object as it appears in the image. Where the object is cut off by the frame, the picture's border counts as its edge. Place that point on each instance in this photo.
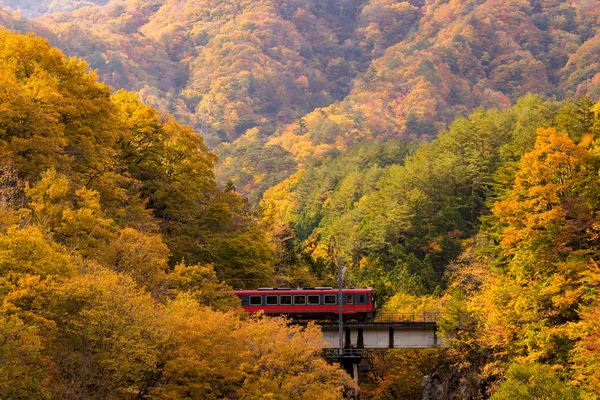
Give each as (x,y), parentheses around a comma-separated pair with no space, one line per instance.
(360,339)
(355,376)
(351,367)
(348,339)
(349,359)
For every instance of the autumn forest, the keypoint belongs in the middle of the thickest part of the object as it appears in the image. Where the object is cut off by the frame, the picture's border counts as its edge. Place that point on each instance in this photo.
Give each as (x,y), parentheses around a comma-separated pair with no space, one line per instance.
(155,155)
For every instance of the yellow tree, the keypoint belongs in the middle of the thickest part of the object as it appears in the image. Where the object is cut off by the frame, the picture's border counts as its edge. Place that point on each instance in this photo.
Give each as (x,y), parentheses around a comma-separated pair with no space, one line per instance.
(550,176)
(217,355)
(545,219)
(106,338)
(140,255)
(201,283)
(55,113)
(28,251)
(586,353)
(75,218)
(202,363)
(284,361)
(25,371)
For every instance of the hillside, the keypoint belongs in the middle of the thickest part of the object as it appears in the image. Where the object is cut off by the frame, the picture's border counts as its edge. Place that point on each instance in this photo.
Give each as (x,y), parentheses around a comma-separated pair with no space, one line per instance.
(146,170)
(204,62)
(114,239)
(36,8)
(446,150)
(372,69)
(490,54)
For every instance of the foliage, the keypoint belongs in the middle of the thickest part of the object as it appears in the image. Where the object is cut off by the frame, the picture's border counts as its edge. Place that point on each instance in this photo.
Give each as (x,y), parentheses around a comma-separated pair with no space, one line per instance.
(22,374)
(142,256)
(115,234)
(201,283)
(312,76)
(533,381)
(525,289)
(398,219)
(217,356)
(108,174)
(585,352)
(110,335)
(397,374)
(101,197)
(34,8)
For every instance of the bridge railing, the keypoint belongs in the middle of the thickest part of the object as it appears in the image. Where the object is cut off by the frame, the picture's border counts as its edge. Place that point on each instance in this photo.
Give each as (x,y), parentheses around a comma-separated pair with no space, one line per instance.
(346,353)
(408,317)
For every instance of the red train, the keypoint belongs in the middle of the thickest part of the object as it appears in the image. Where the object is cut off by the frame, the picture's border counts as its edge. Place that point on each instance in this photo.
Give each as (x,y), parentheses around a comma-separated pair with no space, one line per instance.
(317,302)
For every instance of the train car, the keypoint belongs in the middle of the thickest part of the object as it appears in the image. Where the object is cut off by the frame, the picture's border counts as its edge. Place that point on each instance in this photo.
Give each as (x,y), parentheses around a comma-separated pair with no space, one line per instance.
(317,302)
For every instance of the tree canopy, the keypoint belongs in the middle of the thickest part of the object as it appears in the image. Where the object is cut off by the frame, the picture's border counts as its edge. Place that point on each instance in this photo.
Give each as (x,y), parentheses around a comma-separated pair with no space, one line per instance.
(116,247)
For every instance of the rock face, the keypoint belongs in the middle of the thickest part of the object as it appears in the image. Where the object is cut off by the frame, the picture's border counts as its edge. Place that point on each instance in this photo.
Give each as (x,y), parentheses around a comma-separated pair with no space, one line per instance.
(452,385)
(434,387)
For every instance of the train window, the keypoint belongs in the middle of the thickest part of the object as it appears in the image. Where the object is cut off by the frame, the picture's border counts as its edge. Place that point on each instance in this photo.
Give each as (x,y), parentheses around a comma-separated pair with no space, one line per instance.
(349,299)
(271,300)
(329,299)
(314,299)
(299,299)
(285,300)
(255,300)
(361,298)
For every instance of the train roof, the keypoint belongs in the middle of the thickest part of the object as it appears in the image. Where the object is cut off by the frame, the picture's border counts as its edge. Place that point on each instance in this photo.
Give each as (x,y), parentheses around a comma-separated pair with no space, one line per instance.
(310,290)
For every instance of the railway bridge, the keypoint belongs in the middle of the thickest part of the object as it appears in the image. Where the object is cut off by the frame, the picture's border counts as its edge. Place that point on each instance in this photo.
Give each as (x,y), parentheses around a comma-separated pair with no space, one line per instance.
(387,331)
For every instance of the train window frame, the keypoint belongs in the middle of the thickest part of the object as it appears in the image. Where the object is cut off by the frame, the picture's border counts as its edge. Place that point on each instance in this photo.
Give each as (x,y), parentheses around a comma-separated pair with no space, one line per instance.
(349,299)
(325,297)
(281,302)
(362,299)
(271,297)
(299,296)
(314,296)
(254,298)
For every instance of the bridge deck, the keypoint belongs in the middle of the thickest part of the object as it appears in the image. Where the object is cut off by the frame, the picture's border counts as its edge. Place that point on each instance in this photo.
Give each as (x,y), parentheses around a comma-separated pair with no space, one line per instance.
(387,331)
(377,324)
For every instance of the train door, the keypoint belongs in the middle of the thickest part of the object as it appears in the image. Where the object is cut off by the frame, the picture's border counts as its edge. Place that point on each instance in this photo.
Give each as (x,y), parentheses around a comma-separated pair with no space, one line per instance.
(362,299)
(373,303)
(349,303)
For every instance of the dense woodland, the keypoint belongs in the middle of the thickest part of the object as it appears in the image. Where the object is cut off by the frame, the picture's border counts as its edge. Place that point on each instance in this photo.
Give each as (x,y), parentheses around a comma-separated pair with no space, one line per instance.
(448,151)
(270,83)
(111,230)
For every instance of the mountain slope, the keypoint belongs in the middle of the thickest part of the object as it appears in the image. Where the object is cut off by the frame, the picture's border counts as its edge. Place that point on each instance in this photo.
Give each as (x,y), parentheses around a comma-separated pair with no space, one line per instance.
(466,54)
(36,8)
(299,79)
(223,66)
(121,159)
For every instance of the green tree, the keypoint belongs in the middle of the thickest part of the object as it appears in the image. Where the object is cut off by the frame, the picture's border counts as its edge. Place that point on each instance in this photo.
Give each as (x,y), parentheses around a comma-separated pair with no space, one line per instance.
(534,382)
